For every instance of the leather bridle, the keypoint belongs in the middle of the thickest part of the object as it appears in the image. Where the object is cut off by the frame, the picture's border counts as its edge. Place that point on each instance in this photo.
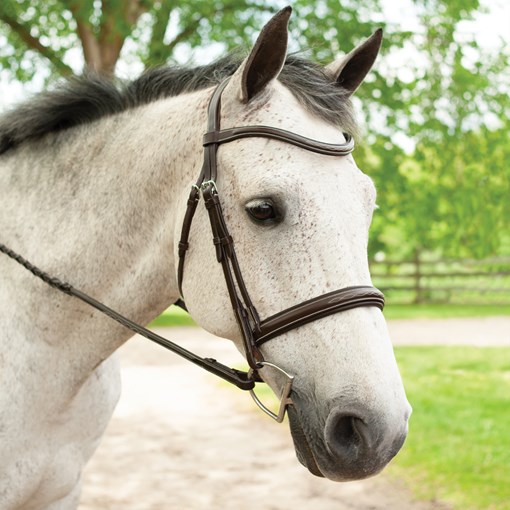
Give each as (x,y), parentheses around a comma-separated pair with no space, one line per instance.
(254,331)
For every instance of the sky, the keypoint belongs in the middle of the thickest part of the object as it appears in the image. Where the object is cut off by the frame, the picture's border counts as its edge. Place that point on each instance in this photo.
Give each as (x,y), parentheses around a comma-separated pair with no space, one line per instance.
(490,29)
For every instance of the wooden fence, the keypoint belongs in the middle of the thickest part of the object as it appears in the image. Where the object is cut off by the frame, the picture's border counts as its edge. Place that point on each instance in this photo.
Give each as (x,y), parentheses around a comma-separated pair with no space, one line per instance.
(423,280)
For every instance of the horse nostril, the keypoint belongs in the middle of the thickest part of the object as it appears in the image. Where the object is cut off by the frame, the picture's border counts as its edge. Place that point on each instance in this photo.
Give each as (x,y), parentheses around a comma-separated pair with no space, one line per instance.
(364,444)
(346,434)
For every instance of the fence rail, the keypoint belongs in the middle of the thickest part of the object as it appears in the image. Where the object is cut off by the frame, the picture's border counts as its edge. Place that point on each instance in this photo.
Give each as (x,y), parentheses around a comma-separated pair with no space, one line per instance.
(427,280)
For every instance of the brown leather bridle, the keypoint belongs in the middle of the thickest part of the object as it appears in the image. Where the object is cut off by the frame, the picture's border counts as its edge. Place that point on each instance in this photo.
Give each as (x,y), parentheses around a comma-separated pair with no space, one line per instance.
(254,331)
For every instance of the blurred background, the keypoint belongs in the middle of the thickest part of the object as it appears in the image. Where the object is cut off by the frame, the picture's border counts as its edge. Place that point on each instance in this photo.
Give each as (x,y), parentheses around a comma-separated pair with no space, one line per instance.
(435,110)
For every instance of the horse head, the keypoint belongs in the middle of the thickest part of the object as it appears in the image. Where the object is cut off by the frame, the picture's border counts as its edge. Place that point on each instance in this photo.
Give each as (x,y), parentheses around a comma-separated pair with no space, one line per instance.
(300,223)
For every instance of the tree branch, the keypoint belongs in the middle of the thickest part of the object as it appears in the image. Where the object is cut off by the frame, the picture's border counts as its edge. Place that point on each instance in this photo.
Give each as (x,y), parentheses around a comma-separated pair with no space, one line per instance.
(35,44)
(89,43)
(157,53)
(181,36)
(85,30)
(116,24)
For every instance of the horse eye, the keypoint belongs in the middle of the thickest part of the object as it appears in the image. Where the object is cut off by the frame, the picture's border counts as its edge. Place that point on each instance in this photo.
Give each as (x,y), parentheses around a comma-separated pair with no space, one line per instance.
(263,211)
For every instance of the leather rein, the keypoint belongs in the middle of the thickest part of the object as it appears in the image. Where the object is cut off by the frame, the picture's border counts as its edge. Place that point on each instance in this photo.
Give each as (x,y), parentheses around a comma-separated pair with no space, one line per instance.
(254,331)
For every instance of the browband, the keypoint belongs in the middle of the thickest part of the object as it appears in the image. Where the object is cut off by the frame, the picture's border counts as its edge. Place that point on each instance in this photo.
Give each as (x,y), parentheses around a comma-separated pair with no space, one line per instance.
(231,134)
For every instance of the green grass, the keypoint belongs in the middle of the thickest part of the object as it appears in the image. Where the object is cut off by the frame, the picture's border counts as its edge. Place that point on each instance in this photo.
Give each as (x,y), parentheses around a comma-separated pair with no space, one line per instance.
(443,311)
(458,448)
(174,316)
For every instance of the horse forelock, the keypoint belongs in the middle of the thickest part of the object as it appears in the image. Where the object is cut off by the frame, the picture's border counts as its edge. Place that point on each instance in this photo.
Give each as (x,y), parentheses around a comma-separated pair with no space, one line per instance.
(84,99)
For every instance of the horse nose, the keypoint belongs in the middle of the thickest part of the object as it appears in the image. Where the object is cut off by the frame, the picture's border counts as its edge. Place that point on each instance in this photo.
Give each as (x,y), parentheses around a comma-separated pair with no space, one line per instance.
(364,444)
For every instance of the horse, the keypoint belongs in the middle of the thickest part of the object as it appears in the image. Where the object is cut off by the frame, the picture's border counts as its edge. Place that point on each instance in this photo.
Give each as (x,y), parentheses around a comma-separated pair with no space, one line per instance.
(95,181)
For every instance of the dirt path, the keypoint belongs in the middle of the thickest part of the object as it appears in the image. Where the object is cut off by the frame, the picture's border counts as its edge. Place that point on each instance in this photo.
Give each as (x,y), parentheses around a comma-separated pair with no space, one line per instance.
(178,440)
(480,332)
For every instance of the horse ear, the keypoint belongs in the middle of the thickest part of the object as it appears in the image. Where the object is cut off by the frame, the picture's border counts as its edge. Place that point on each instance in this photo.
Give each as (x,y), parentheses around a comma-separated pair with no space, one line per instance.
(350,70)
(266,58)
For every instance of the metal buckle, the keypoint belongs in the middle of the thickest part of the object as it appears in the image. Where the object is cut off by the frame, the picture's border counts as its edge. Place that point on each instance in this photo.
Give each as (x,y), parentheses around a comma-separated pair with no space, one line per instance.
(209,183)
(284,398)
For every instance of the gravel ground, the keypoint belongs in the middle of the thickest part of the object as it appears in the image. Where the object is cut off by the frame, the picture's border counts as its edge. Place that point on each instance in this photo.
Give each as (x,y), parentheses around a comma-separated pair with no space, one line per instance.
(179,440)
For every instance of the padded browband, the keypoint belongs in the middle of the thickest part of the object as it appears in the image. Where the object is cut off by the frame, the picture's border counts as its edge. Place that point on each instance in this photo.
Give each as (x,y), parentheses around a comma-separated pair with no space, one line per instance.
(231,134)
(317,308)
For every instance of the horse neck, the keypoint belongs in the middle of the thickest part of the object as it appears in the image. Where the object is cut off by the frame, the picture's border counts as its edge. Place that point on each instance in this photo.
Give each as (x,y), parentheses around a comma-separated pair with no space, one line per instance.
(96,206)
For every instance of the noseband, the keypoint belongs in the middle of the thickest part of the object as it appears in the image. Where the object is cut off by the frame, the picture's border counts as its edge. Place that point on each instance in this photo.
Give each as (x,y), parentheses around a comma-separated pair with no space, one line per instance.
(254,331)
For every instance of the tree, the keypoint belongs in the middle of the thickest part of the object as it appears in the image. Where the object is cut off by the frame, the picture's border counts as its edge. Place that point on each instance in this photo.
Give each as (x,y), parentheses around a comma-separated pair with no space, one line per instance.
(48,33)
(447,194)
(436,105)
(42,33)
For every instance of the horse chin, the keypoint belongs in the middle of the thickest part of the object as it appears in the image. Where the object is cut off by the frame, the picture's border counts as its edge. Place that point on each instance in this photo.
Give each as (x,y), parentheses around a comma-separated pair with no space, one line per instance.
(303,450)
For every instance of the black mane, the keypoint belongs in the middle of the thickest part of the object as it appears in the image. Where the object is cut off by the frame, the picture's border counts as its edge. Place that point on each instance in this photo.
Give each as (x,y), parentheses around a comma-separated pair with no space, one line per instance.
(83,99)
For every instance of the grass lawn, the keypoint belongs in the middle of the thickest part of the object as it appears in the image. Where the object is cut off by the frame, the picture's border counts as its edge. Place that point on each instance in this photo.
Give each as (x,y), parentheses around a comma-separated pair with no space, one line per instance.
(173,316)
(458,449)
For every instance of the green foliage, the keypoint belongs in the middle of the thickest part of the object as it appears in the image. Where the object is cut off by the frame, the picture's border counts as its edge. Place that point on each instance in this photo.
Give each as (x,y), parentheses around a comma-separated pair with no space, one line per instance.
(33,34)
(437,105)
(458,448)
(447,194)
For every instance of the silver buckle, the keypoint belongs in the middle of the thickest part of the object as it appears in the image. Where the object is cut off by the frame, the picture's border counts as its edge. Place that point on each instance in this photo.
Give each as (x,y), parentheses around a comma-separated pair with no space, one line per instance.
(284,398)
(208,183)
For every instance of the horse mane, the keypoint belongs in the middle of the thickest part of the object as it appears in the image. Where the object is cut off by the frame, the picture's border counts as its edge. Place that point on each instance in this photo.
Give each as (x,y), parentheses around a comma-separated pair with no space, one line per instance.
(84,99)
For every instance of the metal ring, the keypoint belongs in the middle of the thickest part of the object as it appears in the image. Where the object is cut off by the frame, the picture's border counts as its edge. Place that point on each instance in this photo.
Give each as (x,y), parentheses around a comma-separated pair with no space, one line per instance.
(272,365)
(284,398)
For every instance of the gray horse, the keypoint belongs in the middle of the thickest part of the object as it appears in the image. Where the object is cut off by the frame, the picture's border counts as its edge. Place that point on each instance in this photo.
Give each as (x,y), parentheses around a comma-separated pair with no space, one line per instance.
(94,181)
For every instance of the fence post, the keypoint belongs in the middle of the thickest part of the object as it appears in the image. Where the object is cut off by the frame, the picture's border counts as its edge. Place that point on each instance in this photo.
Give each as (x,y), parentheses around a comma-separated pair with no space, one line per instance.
(418,297)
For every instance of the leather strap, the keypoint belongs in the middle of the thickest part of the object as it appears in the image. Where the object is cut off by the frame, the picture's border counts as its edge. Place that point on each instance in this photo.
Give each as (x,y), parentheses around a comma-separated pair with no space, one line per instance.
(193,200)
(244,310)
(242,380)
(317,308)
(328,149)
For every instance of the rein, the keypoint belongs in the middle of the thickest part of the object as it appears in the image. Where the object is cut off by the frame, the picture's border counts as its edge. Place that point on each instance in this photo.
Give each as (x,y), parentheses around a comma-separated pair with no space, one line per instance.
(254,331)
(231,375)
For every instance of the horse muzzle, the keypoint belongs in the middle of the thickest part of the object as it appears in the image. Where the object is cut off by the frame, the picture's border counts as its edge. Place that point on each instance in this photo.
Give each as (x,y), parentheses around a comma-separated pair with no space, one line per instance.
(352,443)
